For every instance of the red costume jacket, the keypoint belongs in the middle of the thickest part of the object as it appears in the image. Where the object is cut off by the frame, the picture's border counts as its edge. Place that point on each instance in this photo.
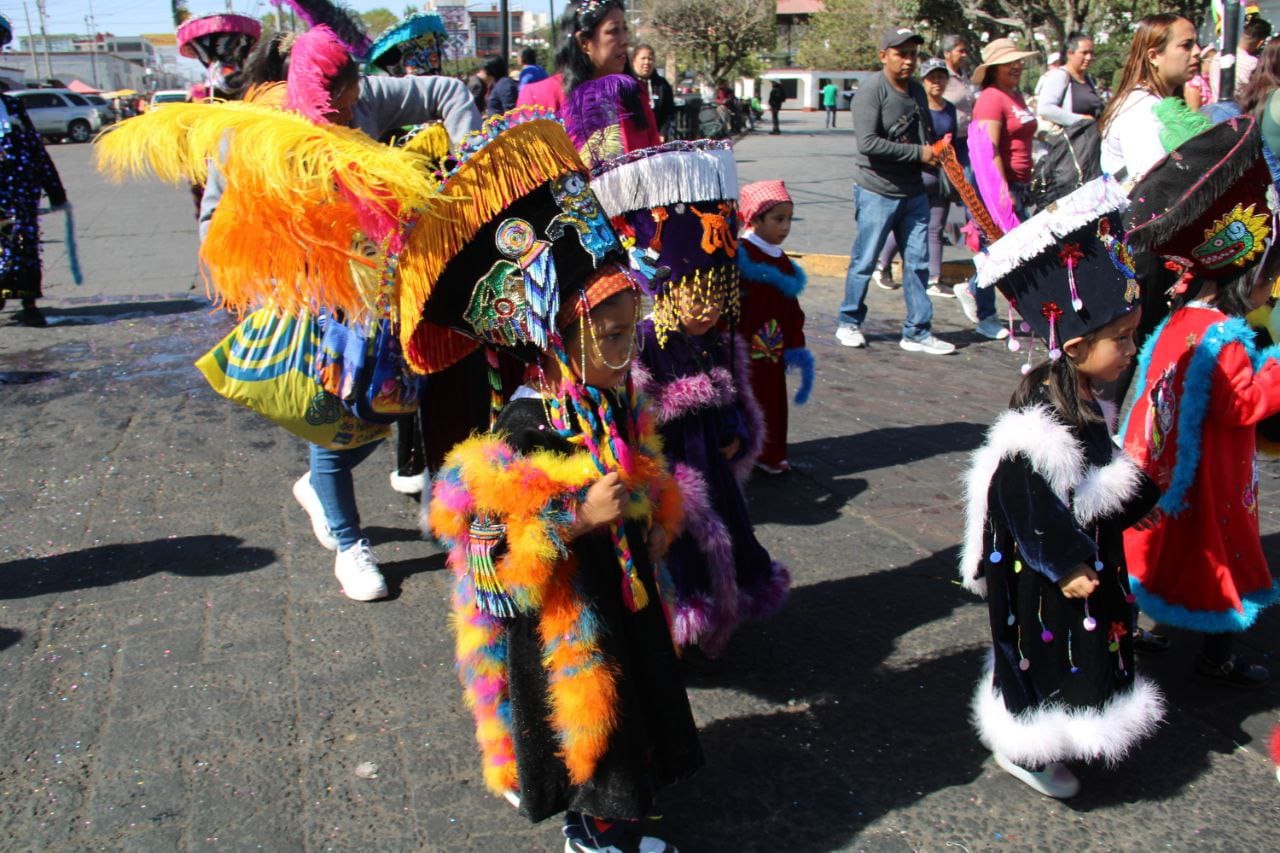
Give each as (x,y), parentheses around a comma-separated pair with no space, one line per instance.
(772,324)
(1203,388)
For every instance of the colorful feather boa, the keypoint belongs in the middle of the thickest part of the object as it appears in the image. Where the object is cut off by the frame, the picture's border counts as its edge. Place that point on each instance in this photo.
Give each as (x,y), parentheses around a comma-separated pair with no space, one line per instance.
(533,495)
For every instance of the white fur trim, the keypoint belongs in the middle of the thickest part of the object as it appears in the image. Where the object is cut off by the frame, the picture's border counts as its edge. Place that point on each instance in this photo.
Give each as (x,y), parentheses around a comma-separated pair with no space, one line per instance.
(1105,490)
(1092,492)
(665,177)
(1057,733)
(1050,448)
(1075,210)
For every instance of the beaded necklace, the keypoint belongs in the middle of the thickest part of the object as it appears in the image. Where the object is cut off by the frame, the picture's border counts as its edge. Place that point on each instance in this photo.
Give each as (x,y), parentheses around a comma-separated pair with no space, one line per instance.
(585,415)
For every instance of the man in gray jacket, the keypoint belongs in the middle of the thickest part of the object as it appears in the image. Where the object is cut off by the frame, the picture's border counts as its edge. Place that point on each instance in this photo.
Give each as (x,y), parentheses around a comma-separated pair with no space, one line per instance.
(891,126)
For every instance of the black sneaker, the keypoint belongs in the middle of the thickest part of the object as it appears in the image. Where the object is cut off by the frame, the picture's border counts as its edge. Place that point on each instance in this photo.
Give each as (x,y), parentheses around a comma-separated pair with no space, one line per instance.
(1236,672)
(583,835)
(1149,642)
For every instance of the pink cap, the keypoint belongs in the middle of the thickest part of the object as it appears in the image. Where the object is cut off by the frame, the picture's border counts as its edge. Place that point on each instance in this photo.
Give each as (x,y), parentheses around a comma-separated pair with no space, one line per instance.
(757,198)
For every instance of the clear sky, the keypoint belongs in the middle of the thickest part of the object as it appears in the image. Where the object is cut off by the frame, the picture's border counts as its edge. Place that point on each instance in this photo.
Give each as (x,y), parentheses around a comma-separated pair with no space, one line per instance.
(132,17)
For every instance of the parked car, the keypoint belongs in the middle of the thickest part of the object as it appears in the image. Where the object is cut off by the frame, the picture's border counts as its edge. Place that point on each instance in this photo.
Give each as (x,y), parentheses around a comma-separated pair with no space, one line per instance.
(106,112)
(59,113)
(170,96)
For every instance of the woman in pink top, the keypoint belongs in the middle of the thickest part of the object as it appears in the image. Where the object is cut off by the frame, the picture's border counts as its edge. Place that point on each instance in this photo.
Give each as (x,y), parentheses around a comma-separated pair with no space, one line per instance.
(601,103)
(1000,138)
(547,93)
(1001,152)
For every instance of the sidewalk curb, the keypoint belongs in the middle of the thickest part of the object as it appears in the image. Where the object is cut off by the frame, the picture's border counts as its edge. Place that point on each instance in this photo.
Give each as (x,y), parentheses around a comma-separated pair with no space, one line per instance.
(835,266)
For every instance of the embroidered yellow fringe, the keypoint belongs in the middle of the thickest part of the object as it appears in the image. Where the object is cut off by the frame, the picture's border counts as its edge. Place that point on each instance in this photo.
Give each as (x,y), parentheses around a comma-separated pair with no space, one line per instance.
(512,165)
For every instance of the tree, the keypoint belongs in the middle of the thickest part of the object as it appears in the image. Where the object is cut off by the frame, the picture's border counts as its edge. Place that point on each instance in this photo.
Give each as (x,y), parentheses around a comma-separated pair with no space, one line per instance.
(379,20)
(845,35)
(715,37)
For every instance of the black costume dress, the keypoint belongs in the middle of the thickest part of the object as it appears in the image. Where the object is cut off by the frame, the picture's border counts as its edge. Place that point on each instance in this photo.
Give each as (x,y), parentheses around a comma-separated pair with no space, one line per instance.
(1046,498)
(654,741)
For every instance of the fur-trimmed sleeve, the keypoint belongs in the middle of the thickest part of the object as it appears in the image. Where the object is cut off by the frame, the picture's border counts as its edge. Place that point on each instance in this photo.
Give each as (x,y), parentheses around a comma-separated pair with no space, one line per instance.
(531,495)
(666,504)
(748,409)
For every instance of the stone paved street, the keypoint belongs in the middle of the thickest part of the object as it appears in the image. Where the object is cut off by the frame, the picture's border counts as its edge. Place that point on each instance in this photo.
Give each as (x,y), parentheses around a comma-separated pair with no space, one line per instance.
(178,669)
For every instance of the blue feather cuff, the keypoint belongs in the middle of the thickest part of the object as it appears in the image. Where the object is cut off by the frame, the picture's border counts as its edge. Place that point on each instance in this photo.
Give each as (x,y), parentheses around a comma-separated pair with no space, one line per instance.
(801,358)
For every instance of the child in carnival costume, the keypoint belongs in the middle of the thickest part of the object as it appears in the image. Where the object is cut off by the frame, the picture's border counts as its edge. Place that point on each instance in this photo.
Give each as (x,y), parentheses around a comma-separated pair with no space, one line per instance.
(1048,497)
(554,520)
(675,204)
(1201,388)
(772,320)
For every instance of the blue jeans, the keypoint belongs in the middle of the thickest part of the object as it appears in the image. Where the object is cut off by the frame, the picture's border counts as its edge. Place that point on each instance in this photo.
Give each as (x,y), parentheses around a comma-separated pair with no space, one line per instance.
(331,478)
(877,216)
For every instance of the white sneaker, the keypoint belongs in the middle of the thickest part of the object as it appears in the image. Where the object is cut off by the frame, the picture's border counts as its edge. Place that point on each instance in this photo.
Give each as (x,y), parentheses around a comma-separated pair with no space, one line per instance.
(937,288)
(409,485)
(884,280)
(933,345)
(357,570)
(850,336)
(992,329)
(968,304)
(306,496)
(1055,780)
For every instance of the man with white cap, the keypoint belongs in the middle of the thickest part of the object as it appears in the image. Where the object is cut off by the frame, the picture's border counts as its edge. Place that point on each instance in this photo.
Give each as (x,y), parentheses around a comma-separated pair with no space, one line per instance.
(891,126)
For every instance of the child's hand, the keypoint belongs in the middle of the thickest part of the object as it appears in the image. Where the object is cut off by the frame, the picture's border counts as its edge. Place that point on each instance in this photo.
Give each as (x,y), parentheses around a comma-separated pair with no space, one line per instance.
(1079,584)
(604,503)
(731,449)
(1150,520)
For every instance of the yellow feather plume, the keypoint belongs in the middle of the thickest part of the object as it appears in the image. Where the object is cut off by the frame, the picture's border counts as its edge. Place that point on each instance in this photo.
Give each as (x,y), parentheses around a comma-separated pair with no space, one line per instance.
(291,161)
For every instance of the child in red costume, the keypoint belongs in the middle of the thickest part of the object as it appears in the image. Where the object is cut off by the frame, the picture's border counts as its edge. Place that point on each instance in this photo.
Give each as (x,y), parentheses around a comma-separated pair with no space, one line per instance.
(772,321)
(1201,389)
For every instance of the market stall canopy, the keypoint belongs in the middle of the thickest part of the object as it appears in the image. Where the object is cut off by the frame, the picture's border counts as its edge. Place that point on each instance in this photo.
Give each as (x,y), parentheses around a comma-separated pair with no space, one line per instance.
(82,88)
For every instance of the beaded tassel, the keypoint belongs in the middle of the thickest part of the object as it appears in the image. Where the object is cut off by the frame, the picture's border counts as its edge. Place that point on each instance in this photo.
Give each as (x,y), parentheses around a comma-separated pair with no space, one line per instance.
(491,597)
(1117,631)
(1090,624)
(495,386)
(600,421)
(1045,634)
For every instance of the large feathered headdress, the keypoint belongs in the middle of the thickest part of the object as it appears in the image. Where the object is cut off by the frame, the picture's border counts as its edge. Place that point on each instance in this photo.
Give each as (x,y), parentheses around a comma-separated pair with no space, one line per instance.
(341,21)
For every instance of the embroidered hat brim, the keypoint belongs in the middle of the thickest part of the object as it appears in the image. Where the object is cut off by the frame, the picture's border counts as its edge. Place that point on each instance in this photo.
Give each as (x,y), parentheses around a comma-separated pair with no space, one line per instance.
(1207,203)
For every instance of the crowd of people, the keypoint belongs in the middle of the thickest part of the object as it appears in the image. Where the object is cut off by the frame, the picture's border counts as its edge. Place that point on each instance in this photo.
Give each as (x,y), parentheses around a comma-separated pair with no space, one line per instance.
(481,284)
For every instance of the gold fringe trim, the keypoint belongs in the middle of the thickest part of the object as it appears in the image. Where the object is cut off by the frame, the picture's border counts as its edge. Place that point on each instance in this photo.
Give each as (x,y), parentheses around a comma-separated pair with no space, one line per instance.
(513,165)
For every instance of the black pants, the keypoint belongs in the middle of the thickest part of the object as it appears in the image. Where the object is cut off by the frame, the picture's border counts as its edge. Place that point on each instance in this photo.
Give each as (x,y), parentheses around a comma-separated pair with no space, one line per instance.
(831,116)
(774,112)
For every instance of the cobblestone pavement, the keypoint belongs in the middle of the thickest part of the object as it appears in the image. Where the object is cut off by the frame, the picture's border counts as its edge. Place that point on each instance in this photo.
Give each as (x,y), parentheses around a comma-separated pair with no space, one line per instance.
(179,670)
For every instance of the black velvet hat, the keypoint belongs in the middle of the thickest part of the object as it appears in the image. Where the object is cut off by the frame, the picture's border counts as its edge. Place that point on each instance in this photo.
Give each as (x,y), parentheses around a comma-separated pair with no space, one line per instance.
(1065,270)
(517,233)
